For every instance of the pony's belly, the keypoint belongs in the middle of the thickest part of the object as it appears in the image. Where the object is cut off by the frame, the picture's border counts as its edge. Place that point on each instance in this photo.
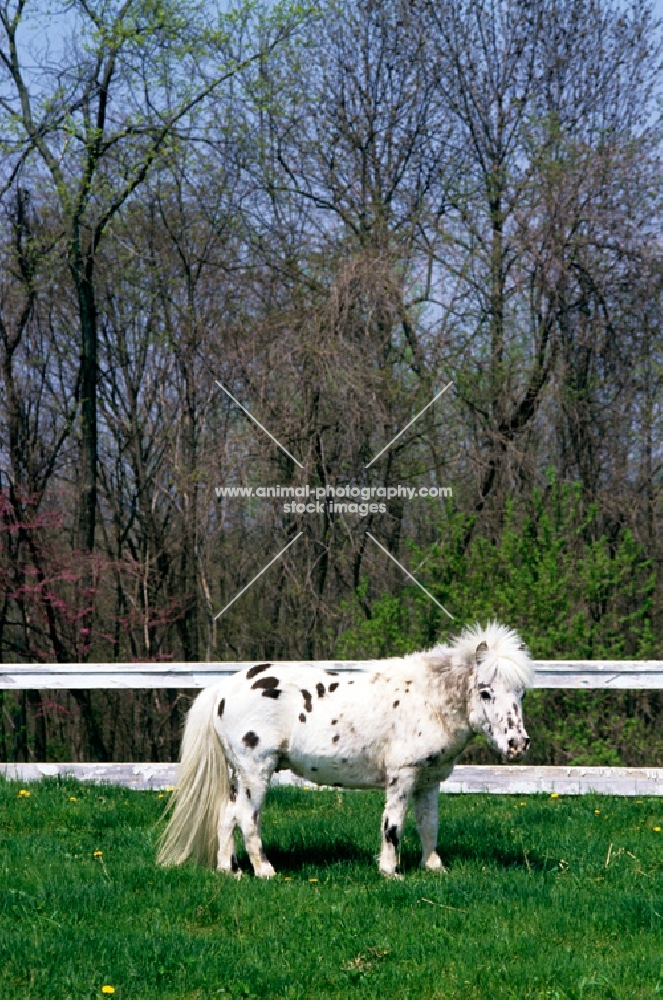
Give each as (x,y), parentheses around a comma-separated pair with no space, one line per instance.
(342,772)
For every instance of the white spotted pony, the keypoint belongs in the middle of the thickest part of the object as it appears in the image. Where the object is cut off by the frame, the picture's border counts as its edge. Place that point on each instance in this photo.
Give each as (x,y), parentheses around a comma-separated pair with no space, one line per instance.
(399,725)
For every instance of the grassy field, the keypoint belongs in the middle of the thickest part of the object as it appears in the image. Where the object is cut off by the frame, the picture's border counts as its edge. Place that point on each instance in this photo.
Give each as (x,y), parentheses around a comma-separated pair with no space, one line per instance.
(553,898)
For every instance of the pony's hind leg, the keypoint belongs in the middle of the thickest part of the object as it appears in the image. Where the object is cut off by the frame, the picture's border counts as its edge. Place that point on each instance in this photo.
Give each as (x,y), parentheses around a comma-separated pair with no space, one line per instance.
(251,793)
(228,819)
(425,814)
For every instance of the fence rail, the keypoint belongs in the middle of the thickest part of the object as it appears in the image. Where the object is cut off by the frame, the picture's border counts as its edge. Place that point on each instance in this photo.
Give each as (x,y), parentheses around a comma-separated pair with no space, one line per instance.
(506,779)
(571,674)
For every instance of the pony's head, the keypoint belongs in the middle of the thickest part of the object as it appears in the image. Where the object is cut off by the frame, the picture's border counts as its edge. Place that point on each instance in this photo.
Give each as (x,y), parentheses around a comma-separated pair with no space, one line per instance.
(502,670)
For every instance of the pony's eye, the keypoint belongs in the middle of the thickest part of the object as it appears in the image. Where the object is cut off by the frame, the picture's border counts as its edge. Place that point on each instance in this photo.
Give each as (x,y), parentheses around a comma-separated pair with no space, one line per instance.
(486,695)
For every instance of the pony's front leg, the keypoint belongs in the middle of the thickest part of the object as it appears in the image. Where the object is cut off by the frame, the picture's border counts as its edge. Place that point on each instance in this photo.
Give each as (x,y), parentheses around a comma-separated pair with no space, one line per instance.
(399,788)
(425,814)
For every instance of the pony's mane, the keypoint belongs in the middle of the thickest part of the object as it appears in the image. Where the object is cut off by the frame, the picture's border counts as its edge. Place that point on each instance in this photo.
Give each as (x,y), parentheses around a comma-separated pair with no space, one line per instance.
(506,651)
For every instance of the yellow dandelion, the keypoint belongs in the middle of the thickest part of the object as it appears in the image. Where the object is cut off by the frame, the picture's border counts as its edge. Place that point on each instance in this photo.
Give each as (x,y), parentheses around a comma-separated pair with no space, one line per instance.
(287,878)
(315,879)
(98,854)
(108,989)
(597,812)
(72,798)
(554,795)
(161,795)
(24,794)
(170,788)
(523,803)
(656,829)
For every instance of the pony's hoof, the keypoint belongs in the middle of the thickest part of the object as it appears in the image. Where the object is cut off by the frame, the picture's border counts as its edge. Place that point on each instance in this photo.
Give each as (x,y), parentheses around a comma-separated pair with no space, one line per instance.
(265,870)
(398,876)
(434,864)
(235,873)
(231,869)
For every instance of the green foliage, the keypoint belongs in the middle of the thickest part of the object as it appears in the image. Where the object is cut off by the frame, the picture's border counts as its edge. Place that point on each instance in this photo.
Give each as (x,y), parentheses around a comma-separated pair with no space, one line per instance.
(620,728)
(389,631)
(572,594)
(544,899)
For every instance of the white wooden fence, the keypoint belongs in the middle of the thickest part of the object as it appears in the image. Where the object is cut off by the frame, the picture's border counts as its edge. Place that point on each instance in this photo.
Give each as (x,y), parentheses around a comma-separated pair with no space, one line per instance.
(577,674)
(514,779)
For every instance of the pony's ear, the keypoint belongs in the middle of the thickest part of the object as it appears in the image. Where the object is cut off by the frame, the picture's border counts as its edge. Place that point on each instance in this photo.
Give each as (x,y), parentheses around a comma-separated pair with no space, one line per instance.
(482,652)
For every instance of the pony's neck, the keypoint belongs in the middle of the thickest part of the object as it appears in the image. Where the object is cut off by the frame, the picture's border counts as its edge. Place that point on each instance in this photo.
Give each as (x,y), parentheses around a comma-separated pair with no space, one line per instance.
(466,683)
(452,687)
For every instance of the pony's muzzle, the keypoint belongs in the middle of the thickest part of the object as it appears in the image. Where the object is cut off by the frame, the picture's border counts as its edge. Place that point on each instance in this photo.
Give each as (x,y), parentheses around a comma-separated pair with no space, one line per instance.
(517,746)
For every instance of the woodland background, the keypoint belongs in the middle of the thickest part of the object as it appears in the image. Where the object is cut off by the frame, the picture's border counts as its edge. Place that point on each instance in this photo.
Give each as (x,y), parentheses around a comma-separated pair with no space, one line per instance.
(334,211)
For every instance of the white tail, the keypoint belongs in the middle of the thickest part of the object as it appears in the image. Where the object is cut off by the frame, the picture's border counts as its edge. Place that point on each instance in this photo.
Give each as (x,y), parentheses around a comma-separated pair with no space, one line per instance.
(202,789)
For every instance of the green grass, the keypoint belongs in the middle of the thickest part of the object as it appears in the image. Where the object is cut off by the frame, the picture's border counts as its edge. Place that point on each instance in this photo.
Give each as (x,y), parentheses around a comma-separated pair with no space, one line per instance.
(529,909)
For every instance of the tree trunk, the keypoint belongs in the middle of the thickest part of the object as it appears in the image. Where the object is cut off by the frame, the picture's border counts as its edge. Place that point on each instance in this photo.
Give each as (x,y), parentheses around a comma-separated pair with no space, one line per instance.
(88,389)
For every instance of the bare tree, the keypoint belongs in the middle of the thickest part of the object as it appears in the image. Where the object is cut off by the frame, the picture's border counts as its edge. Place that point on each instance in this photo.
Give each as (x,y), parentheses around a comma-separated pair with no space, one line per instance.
(131,74)
(543,116)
